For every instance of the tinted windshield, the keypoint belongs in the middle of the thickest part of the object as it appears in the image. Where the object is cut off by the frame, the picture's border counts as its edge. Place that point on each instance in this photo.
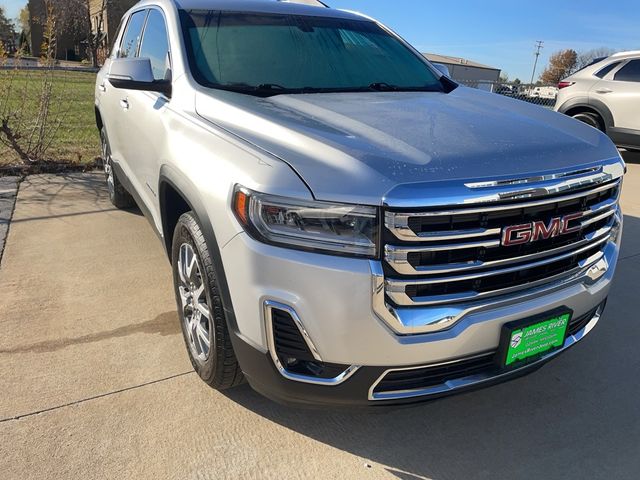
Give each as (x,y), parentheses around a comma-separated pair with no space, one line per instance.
(271,54)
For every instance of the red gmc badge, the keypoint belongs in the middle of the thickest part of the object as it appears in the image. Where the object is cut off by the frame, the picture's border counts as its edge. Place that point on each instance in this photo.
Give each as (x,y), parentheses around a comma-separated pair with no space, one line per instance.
(534,231)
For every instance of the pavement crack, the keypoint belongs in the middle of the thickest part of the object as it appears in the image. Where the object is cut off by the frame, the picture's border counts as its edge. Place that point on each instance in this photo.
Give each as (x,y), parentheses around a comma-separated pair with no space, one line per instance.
(95,397)
(630,256)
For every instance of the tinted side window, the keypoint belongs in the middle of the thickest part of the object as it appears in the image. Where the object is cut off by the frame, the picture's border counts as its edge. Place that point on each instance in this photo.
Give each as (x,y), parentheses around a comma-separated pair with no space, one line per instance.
(155,44)
(131,39)
(603,72)
(629,73)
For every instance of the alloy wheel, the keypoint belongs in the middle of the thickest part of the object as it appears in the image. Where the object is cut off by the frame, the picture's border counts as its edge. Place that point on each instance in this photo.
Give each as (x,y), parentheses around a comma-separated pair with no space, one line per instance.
(196,312)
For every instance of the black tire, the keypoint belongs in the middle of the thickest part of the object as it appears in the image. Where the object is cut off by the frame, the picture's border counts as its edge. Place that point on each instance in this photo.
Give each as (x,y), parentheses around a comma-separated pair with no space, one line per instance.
(220,369)
(591,119)
(118,195)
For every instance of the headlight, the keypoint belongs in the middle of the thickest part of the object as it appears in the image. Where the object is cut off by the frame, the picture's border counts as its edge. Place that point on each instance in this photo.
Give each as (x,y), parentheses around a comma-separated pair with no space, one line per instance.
(326,227)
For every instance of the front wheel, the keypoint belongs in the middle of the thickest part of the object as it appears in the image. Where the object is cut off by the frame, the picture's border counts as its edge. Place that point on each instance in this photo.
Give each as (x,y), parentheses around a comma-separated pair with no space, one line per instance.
(202,317)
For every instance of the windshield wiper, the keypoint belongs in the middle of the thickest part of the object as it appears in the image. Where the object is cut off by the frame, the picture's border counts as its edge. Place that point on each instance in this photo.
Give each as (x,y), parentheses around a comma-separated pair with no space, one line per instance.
(272,89)
(383,87)
(271,86)
(386,87)
(264,89)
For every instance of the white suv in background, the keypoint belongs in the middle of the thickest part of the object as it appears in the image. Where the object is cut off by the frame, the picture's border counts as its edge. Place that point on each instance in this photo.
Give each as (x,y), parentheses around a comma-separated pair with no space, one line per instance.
(606,95)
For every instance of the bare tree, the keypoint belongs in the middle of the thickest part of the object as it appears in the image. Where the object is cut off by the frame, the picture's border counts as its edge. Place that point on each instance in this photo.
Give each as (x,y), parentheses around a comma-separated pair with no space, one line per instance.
(95,32)
(586,58)
(24,24)
(561,65)
(31,110)
(7,32)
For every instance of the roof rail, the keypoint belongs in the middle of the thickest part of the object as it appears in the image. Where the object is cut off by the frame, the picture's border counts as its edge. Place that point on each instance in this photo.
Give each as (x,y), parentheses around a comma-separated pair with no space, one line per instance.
(314,3)
(624,54)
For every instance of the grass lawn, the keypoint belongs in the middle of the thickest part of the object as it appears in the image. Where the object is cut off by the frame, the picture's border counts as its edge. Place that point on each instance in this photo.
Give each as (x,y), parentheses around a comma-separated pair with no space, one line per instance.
(71,132)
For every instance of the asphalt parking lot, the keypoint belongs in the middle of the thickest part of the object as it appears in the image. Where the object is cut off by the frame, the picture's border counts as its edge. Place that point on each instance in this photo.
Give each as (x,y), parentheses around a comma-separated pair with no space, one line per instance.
(96,383)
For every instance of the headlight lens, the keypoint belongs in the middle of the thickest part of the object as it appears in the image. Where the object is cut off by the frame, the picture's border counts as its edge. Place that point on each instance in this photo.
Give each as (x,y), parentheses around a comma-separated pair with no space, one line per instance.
(328,227)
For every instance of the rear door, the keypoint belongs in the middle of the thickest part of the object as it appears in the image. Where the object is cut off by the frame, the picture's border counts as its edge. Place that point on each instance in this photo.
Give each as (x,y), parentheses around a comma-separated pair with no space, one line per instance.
(619,90)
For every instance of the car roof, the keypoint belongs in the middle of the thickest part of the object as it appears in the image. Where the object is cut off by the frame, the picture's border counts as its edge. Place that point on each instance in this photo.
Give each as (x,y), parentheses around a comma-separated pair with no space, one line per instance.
(599,63)
(625,55)
(266,6)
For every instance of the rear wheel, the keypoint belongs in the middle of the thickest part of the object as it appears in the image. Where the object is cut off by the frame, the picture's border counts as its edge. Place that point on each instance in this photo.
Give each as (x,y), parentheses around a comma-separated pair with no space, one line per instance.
(202,317)
(591,119)
(117,193)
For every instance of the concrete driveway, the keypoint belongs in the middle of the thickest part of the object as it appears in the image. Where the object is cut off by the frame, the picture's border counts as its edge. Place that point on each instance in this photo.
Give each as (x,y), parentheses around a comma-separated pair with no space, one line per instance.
(95,382)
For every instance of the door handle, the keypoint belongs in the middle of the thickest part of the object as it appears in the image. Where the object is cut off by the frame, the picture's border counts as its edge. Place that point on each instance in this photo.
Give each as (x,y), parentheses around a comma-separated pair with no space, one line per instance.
(102,88)
(604,90)
(124,103)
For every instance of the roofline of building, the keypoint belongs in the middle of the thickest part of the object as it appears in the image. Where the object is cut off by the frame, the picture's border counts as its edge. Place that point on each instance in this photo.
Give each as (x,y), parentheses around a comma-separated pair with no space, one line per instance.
(457,61)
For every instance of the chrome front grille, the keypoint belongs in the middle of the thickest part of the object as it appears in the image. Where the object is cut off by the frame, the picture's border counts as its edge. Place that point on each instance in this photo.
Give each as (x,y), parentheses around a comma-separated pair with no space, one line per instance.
(443,256)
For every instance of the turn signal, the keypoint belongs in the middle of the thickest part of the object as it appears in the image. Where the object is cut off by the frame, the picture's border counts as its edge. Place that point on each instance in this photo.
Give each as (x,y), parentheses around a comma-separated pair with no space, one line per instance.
(240,206)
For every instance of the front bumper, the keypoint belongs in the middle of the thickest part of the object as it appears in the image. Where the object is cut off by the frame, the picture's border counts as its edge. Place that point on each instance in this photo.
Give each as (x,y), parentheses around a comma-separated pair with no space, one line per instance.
(359,390)
(334,299)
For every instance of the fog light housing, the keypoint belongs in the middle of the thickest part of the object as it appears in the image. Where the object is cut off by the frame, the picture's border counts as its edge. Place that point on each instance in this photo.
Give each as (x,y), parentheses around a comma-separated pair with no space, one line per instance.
(294,354)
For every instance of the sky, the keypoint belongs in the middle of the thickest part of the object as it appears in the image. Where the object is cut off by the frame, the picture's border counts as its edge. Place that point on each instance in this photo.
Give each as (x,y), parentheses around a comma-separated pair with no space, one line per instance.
(498,33)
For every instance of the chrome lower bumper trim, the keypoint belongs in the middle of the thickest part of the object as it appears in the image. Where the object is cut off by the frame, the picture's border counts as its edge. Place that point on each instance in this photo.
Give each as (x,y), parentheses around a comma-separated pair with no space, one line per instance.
(472,380)
(268,307)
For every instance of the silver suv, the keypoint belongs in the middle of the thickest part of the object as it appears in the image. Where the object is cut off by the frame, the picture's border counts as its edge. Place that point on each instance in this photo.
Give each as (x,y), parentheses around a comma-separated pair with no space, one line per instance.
(606,95)
(346,225)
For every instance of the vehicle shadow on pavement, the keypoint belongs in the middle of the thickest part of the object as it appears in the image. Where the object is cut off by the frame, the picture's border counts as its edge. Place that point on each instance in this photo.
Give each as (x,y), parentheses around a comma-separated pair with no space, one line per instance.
(578,415)
(49,189)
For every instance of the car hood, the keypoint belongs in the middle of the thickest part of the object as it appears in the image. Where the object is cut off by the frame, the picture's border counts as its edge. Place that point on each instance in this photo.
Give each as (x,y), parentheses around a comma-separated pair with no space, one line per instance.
(366,147)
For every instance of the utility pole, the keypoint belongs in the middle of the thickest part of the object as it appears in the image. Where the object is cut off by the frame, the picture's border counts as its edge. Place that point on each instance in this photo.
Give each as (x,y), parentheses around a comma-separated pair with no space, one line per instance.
(539,46)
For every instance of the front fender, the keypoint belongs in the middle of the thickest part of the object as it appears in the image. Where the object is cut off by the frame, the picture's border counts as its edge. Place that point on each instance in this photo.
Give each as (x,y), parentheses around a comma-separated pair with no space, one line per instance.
(170,176)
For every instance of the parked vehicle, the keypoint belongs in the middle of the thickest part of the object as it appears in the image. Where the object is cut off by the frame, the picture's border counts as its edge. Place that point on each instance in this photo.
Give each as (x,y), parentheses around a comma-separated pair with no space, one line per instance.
(503,89)
(547,93)
(606,96)
(345,224)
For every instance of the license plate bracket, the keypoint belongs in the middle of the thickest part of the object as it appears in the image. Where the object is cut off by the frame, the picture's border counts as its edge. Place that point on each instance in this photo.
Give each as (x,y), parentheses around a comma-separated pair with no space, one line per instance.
(525,341)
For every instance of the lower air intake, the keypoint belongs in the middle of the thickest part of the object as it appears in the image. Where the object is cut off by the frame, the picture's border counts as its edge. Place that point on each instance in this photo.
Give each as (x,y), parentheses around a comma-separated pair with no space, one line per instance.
(294,353)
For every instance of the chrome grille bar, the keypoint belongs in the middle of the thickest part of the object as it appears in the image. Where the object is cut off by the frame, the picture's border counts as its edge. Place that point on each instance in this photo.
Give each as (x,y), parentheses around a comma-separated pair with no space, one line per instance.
(398,222)
(396,289)
(405,233)
(398,257)
(394,285)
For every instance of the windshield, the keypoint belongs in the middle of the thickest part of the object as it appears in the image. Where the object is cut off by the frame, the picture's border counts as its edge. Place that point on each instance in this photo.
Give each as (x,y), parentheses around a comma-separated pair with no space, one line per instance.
(268,54)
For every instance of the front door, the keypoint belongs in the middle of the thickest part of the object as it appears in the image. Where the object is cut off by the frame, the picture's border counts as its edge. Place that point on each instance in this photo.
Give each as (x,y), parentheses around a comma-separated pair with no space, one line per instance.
(148,111)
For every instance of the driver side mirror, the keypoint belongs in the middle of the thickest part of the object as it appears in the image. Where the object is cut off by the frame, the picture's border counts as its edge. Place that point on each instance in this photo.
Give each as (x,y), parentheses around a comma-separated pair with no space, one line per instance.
(136,74)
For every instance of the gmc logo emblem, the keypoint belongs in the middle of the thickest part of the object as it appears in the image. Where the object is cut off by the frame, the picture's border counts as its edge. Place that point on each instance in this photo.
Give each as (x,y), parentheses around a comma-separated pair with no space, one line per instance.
(534,231)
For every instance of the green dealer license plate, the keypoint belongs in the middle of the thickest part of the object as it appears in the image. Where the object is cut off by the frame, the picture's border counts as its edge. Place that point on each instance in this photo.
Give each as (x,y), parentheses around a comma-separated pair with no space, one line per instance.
(530,338)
